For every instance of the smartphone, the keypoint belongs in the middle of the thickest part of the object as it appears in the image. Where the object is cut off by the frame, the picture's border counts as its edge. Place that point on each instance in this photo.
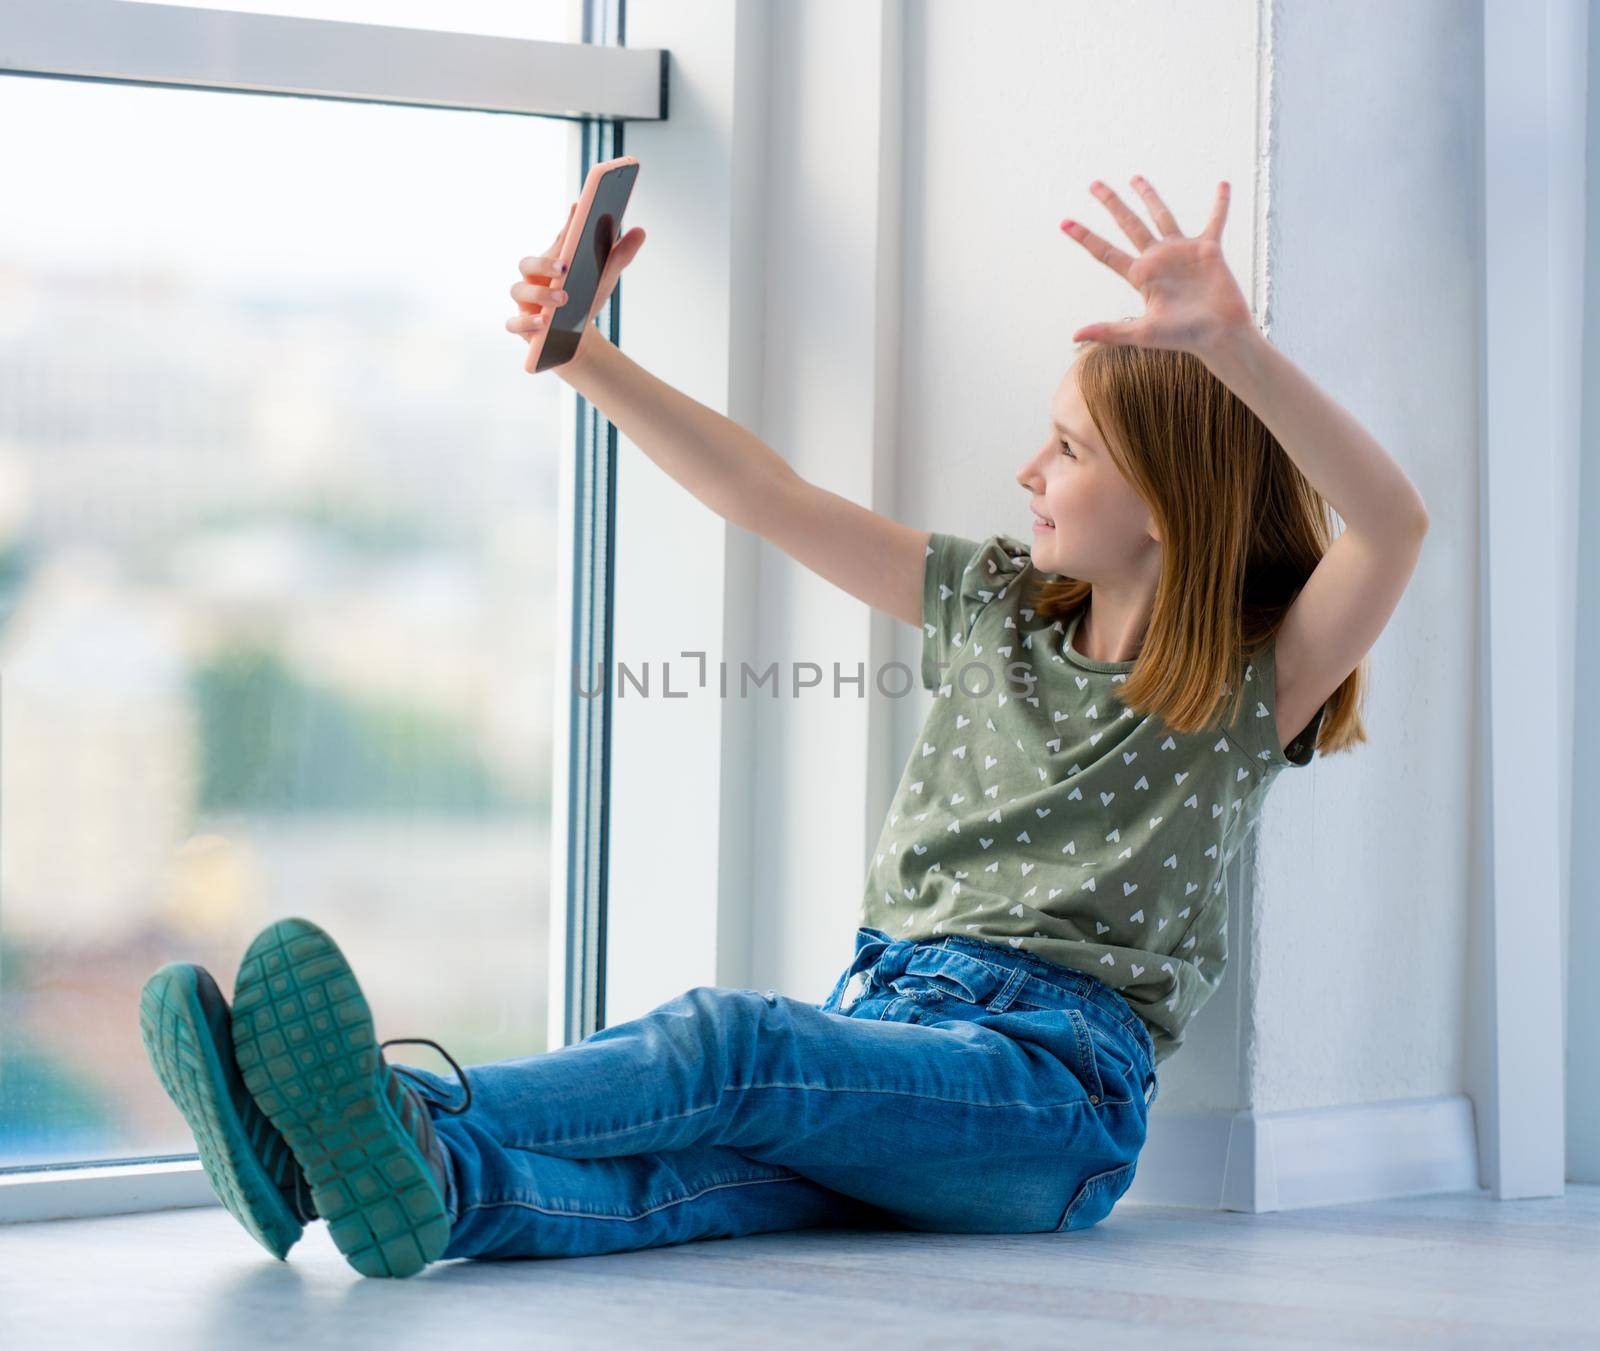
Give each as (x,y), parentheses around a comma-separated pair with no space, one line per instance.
(593,231)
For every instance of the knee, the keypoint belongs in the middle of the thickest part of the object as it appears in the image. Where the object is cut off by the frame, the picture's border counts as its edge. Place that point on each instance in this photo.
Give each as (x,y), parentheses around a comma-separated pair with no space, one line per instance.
(1096,1196)
(722,999)
(712,1010)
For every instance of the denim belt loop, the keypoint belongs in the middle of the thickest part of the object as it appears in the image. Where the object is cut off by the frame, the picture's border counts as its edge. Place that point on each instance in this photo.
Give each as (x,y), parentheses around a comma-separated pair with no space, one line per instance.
(849,988)
(1008,992)
(892,958)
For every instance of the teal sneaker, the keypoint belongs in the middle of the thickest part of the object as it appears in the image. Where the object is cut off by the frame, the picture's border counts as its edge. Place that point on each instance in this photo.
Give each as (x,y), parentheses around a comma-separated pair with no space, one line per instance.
(187,1030)
(303,1038)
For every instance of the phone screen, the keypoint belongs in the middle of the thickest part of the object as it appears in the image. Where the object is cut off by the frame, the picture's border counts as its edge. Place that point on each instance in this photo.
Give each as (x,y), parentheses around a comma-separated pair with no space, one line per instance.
(601,230)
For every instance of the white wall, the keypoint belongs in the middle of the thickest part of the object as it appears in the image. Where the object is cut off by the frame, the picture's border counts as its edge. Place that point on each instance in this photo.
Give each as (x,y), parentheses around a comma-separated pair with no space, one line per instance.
(1009,113)
(1373,265)
(692,313)
(911,319)
(835,238)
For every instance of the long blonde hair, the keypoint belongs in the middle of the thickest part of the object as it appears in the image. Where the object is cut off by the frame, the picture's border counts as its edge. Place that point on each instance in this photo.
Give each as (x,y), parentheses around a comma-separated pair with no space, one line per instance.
(1241,531)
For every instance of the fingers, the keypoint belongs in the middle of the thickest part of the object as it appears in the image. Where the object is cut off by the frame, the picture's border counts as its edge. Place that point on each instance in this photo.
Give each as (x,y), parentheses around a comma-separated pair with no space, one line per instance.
(540,289)
(1103,249)
(562,233)
(533,300)
(525,325)
(1131,224)
(624,252)
(1135,228)
(1219,213)
(528,293)
(541,265)
(1126,333)
(1158,209)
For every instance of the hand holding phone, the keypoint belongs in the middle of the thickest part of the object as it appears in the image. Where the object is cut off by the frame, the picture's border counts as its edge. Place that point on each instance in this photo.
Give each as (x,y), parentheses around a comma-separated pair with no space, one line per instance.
(593,258)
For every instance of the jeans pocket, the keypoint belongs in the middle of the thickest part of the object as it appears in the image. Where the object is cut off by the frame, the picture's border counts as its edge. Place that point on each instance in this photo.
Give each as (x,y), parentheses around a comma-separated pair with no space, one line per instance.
(953,988)
(933,988)
(1093,1200)
(912,1003)
(1122,1076)
(933,997)
(1085,1063)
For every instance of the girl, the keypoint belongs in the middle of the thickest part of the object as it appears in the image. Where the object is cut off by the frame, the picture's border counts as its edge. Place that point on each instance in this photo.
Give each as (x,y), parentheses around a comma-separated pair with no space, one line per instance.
(1045,911)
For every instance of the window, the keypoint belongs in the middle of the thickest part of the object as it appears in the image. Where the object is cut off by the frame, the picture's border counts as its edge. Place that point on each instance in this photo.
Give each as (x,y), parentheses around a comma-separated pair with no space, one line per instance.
(278,556)
(547,20)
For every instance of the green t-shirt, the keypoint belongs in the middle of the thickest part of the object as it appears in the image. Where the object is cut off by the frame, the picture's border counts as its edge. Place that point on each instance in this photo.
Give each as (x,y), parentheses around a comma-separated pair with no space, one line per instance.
(1039,812)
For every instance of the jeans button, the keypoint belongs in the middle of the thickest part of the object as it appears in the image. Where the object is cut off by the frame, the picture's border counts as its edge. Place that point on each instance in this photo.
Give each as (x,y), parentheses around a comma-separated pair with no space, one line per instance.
(1094,1097)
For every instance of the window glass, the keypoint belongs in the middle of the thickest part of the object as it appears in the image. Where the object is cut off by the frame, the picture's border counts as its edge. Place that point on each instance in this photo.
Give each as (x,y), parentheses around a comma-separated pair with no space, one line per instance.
(277,574)
(546,20)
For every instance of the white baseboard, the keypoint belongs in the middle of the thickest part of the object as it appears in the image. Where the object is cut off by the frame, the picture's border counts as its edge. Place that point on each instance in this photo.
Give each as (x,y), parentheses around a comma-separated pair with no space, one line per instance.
(1249,1161)
(109,1189)
(1319,1156)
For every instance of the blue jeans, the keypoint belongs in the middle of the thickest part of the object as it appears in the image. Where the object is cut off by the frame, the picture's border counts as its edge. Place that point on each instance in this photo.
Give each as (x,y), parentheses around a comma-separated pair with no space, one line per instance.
(948,1085)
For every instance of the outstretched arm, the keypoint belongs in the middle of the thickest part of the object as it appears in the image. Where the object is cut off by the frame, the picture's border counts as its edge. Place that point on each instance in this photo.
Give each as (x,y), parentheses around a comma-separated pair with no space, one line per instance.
(742,479)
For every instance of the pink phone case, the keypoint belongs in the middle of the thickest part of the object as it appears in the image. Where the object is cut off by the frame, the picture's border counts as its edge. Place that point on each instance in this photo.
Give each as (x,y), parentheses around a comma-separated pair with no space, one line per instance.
(567,252)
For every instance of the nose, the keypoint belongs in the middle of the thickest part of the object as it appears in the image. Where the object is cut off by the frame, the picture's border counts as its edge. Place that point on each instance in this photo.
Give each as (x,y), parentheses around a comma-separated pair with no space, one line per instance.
(1028,476)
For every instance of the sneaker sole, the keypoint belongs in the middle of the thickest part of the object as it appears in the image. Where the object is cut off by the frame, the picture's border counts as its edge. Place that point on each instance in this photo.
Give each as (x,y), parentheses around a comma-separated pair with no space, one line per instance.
(303,1038)
(245,1159)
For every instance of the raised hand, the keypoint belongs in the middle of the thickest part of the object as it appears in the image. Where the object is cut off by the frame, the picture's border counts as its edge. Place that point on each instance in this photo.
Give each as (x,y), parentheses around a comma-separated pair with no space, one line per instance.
(540,293)
(1191,299)
(539,286)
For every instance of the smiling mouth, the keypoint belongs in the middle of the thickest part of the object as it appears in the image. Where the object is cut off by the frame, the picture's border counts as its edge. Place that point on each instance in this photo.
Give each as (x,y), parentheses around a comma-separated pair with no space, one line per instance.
(1043,520)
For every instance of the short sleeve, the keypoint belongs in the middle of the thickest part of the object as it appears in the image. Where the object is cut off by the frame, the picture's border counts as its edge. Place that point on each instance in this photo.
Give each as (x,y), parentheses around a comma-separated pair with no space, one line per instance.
(961,576)
(1257,725)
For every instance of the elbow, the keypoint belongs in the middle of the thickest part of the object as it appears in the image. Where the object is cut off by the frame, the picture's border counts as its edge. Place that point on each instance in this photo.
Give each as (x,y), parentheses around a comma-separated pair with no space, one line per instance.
(1418,518)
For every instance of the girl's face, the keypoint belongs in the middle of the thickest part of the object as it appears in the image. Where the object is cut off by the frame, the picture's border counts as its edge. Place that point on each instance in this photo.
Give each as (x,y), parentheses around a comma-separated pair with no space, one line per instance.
(1094,527)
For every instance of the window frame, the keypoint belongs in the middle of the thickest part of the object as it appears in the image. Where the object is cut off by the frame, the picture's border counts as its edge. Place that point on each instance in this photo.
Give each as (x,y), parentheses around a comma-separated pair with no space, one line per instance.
(598,84)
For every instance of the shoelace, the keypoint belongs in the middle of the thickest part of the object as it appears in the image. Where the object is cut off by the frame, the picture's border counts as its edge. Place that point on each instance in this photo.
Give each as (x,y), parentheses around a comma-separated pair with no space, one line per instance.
(461,1074)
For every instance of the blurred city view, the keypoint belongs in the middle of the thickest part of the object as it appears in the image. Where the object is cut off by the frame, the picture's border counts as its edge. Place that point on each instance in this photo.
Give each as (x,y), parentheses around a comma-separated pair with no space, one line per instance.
(277,574)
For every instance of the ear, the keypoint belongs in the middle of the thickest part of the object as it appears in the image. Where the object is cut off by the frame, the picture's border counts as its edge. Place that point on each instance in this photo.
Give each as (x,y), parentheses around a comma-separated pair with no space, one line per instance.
(1150,526)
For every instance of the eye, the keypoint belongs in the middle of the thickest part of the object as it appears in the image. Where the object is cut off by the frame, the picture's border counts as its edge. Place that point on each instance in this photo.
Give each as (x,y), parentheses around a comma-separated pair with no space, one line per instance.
(1071,454)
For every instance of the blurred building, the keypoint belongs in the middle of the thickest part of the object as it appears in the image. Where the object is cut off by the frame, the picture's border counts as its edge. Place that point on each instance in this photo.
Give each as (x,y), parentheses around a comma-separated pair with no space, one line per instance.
(98,752)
